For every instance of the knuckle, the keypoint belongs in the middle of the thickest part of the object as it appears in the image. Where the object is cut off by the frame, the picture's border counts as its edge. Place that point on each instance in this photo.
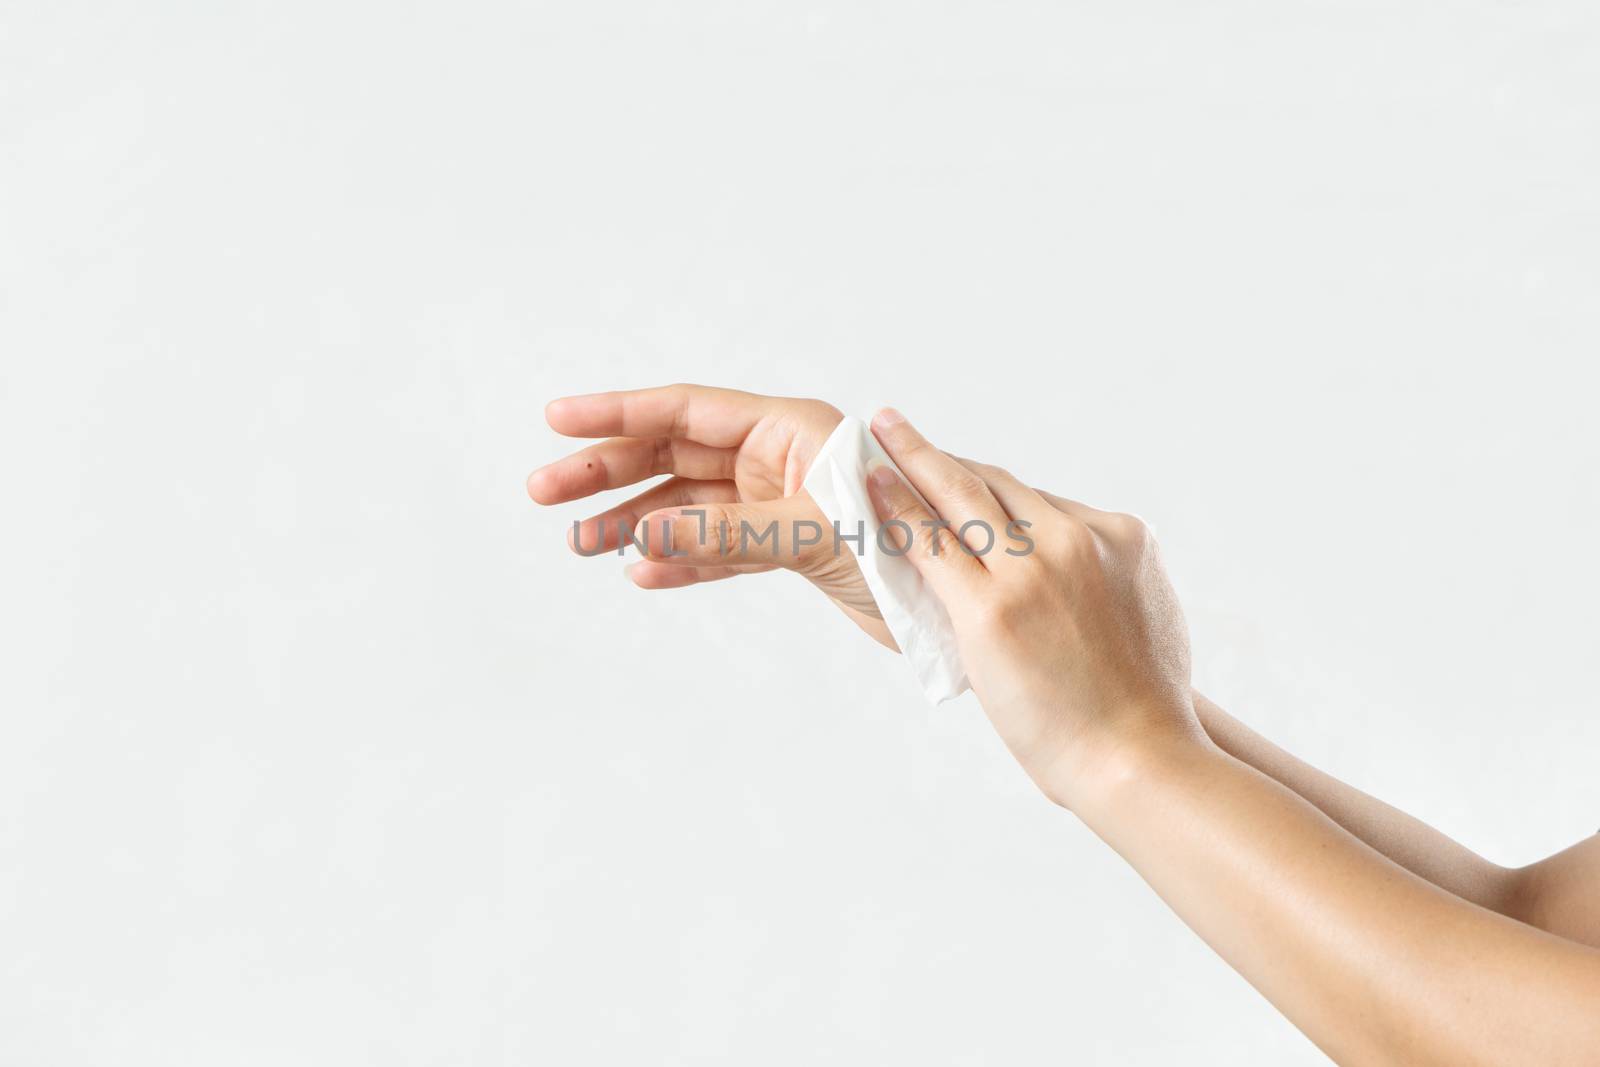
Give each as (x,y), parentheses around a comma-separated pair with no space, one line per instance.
(822,407)
(1129,530)
(987,471)
(949,543)
(913,447)
(739,533)
(903,508)
(679,395)
(713,532)
(738,518)
(662,460)
(961,483)
(1077,540)
(936,538)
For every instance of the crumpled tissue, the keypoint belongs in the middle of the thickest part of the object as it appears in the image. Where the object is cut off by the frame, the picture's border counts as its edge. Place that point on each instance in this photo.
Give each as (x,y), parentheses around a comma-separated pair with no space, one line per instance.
(837,481)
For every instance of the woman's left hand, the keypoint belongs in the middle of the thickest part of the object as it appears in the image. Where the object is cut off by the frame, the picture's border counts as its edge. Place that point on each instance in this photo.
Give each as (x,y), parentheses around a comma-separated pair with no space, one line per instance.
(734,458)
(1076,646)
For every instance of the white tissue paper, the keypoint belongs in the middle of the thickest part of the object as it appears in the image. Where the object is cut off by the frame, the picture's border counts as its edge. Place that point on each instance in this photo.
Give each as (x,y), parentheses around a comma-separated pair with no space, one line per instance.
(837,481)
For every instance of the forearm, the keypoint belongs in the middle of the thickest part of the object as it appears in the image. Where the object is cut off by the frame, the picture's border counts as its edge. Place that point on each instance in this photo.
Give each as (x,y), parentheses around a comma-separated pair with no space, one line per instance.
(1080,658)
(1373,963)
(1411,843)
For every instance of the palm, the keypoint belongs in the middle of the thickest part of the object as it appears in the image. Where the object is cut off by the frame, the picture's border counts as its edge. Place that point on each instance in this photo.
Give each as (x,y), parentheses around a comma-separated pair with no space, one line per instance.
(723,448)
(773,458)
(771,464)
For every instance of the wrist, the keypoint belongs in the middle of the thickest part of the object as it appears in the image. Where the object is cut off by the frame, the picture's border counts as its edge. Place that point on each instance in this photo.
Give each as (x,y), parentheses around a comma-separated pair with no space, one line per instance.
(1105,768)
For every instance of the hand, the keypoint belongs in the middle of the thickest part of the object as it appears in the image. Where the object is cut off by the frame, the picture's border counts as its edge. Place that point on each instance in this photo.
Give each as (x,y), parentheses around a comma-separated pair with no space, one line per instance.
(1076,648)
(736,457)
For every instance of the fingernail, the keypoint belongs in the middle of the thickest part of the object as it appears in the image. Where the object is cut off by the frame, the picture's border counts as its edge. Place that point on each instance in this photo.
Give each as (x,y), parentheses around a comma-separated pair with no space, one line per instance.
(883,477)
(888,417)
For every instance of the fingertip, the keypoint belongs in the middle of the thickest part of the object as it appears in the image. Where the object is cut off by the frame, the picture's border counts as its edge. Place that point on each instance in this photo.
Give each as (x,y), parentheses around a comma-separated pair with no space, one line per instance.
(645,574)
(648,574)
(557,412)
(887,418)
(538,486)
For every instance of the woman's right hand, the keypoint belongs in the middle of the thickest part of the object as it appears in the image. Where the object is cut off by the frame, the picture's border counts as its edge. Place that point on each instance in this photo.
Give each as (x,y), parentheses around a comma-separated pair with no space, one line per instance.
(1076,648)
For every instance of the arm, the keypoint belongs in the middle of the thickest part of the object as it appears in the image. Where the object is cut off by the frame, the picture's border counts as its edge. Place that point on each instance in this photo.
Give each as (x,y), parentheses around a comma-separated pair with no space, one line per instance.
(1411,843)
(1372,963)
(1557,894)
(1079,654)
(1562,893)
(739,457)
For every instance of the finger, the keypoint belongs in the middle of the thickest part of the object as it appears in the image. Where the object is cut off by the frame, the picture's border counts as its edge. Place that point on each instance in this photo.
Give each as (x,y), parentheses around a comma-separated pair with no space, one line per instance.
(912,531)
(789,532)
(653,574)
(604,532)
(624,461)
(1020,501)
(955,493)
(719,417)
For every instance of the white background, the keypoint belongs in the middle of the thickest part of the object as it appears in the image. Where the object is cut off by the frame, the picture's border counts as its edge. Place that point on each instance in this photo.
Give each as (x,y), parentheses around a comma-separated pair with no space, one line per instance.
(319,748)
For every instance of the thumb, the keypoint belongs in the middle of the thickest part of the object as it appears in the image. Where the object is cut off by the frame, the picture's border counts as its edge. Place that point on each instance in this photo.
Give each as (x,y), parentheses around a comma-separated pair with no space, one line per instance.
(790,532)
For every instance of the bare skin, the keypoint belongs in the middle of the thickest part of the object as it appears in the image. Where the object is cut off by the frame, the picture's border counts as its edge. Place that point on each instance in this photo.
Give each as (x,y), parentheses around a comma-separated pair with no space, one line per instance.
(1380,938)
